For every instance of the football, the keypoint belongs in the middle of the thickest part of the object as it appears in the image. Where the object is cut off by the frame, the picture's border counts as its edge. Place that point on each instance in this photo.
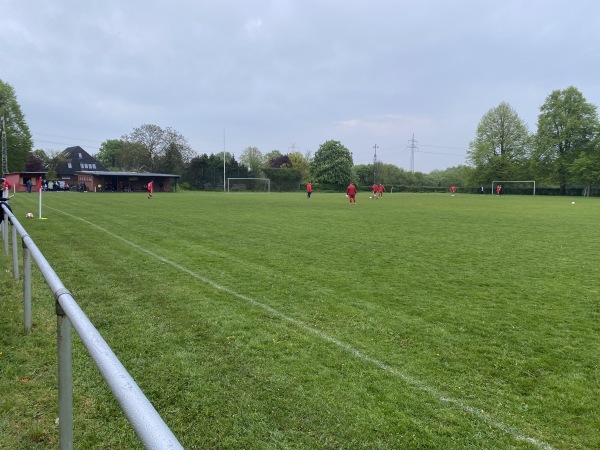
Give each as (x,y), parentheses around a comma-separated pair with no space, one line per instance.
(29,216)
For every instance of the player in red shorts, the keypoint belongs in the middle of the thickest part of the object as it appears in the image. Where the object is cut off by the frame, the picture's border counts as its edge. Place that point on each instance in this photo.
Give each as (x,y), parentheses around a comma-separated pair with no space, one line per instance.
(381,189)
(351,193)
(374,190)
(150,189)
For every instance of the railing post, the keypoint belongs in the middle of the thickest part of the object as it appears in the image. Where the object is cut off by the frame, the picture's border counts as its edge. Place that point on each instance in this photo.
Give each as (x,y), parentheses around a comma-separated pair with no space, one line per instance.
(15,253)
(65,380)
(26,286)
(5,233)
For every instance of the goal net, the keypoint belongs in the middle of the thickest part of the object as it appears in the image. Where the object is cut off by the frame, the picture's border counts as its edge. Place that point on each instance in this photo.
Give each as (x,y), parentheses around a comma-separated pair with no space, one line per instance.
(248,185)
(526,187)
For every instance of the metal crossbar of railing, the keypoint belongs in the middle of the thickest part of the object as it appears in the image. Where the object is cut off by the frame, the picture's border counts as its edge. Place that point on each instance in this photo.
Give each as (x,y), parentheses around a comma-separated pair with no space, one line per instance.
(147,423)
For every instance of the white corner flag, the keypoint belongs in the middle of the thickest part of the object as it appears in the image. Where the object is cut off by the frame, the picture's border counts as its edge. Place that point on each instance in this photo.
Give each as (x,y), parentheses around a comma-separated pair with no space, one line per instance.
(39,188)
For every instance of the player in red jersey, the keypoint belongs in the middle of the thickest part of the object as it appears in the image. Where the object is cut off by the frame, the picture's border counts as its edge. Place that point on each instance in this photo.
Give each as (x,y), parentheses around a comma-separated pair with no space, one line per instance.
(374,190)
(351,193)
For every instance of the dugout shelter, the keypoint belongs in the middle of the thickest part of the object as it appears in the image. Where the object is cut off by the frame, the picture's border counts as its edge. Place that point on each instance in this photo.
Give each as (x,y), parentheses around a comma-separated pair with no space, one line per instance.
(101,181)
(19,180)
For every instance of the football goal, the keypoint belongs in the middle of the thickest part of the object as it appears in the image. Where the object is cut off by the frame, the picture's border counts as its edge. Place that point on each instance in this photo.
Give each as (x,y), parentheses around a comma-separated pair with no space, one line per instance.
(248,185)
(515,187)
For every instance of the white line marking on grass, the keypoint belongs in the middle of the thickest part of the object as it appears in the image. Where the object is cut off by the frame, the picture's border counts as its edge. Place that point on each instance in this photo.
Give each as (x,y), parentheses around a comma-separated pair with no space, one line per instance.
(438,395)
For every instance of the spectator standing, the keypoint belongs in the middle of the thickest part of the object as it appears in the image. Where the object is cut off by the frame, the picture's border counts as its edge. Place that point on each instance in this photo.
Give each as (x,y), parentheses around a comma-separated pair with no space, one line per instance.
(4,198)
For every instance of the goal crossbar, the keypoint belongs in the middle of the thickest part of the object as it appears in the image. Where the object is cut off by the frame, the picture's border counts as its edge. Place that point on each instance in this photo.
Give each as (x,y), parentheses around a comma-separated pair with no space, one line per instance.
(496,182)
(231,181)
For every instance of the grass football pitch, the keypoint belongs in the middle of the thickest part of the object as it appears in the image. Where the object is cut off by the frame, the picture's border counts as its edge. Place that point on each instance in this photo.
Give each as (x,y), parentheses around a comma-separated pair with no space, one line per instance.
(270,321)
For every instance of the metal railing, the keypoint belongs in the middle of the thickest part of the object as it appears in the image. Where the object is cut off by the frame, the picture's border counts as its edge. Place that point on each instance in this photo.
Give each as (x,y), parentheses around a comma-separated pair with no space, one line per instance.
(146,422)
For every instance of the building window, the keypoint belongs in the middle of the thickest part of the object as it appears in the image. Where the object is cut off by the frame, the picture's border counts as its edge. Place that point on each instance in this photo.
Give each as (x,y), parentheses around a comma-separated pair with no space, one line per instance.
(69,165)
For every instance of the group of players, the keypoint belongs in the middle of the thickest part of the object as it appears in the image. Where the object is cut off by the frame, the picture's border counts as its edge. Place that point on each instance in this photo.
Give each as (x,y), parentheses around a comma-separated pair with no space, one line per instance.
(377,191)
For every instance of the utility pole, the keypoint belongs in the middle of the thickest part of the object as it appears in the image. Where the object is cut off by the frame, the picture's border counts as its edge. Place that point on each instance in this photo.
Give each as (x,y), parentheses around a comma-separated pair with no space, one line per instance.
(413,147)
(375,165)
(293,147)
(4,150)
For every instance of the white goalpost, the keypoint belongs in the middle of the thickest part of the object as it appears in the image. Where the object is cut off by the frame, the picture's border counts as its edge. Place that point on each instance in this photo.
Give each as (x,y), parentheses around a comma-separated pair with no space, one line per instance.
(521,185)
(248,185)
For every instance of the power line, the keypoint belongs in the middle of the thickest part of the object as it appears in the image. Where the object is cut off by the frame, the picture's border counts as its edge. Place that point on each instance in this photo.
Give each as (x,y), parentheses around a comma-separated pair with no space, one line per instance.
(67,144)
(68,137)
(438,153)
(417,150)
(442,146)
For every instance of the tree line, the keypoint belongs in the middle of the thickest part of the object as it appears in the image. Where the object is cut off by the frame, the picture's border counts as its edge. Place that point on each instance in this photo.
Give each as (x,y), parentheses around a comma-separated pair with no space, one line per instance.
(563,151)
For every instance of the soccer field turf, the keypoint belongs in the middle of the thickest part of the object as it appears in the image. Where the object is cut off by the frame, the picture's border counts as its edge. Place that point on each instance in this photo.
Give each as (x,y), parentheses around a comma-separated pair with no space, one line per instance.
(274,321)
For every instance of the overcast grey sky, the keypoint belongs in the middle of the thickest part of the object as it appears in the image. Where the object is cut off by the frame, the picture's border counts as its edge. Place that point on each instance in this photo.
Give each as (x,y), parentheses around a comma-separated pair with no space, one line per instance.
(290,75)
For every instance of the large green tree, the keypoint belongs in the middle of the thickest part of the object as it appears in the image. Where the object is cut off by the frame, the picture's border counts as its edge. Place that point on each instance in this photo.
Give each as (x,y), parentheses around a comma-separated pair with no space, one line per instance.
(586,168)
(501,145)
(253,158)
(301,163)
(567,130)
(110,153)
(157,143)
(457,176)
(272,156)
(279,169)
(206,172)
(332,165)
(19,143)
(134,158)
(172,161)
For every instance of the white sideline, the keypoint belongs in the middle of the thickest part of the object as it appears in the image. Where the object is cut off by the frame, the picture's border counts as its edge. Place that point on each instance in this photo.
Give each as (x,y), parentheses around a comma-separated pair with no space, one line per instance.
(438,395)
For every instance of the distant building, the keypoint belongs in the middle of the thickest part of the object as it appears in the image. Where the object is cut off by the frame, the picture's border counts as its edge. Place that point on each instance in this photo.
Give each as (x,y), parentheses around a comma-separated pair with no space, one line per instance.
(76,160)
(81,171)
(19,180)
(97,181)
